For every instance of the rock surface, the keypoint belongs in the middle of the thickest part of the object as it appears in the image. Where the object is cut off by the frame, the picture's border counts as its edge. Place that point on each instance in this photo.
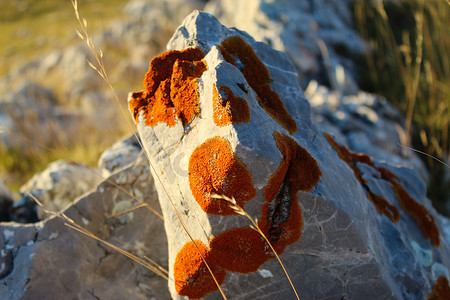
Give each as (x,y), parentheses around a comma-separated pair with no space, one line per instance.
(121,154)
(48,260)
(59,185)
(317,35)
(223,114)
(366,123)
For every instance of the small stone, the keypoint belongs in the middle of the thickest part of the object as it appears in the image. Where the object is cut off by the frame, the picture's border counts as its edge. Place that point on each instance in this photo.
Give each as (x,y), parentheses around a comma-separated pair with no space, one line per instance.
(59,185)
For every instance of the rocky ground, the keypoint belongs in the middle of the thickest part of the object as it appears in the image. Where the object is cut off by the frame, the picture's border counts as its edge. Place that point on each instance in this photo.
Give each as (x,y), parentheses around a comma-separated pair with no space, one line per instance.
(319,39)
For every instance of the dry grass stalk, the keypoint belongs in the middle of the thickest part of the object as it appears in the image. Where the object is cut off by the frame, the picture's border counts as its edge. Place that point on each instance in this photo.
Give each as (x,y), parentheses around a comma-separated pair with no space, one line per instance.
(152,266)
(417,58)
(240,211)
(426,154)
(100,68)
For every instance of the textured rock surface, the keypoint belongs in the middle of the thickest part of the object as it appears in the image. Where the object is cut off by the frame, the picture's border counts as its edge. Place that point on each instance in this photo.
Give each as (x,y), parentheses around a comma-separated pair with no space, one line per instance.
(366,123)
(232,119)
(48,260)
(60,185)
(121,154)
(317,35)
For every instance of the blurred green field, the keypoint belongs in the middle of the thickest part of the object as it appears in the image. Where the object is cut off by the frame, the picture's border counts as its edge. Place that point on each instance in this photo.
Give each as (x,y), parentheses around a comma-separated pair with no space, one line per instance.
(30,27)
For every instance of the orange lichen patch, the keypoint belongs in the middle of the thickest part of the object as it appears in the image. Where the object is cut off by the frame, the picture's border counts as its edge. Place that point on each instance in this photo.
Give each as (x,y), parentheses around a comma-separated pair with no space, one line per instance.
(240,250)
(171,88)
(192,277)
(237,52)
(416,210)
(283,223)
(298,168)
(161,67)
(229,109)
(215,169)
(281,215)
(382,206)
(344,154)
(441,289)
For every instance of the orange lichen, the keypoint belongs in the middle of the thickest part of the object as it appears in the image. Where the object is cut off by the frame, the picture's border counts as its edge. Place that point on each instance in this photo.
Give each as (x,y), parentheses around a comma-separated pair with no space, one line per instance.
(237,52)
(171,88)
(281,218)
(441,289)
(381,204)
(416,210)
(410,206)
(229,109)
(192,277)
(240,250)
(215,169)
(283,224)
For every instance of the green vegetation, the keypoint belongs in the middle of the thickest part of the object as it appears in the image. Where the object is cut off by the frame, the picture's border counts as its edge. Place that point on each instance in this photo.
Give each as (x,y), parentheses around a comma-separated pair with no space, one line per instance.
(30,28)
(20,164)
(410,66)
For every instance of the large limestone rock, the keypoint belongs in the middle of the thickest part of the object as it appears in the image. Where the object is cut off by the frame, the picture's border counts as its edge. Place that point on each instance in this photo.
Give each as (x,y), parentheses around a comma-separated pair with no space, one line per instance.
(48,260)
(223,114)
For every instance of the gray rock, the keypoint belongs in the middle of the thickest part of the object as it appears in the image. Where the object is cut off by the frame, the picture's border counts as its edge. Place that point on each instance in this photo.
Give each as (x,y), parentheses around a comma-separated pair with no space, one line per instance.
(318,35)
(346,225)
(446,226)
(366,123)
(49,260)
(60,184)
(50,62)
(119,155)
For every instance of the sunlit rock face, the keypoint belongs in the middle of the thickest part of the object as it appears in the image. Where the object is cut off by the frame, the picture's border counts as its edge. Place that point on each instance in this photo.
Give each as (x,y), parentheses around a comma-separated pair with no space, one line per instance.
(221,114)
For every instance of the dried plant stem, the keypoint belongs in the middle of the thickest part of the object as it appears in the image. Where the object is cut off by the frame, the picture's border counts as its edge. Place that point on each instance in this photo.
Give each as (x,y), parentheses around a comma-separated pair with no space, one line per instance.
(240,211)
(411,90)
(152,266)
(101,70)
(410,69)
(424,153)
